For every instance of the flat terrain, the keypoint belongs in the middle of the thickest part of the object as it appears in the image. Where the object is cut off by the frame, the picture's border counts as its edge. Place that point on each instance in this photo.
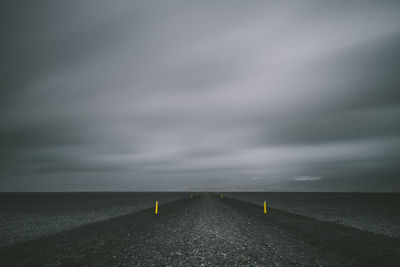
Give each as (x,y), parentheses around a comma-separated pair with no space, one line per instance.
(207,231)
(374,212)
(27,216)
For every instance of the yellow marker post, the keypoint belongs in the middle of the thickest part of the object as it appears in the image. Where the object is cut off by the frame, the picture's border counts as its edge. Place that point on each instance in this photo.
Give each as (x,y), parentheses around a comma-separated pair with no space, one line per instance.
(156,207)
(222,196)
(265,207)
(191,196)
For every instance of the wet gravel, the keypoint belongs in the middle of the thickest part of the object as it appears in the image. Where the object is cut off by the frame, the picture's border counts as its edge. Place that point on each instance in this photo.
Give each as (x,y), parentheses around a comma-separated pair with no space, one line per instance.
(207,231)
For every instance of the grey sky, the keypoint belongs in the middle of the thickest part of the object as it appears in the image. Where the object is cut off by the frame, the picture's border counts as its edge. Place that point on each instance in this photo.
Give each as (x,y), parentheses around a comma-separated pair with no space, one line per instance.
(183,95)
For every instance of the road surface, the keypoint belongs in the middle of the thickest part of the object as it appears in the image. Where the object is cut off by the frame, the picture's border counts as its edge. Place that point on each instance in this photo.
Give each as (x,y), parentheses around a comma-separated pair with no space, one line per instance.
(207,231)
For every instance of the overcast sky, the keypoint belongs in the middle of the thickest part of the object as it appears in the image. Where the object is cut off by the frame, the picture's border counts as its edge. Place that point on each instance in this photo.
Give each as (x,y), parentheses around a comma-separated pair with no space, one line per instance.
(184,95)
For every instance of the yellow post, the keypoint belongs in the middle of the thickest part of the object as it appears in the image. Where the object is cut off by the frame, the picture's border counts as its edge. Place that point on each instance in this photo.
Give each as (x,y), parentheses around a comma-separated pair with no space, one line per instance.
(156,207)
(191,196)
(265,207)
(222,196)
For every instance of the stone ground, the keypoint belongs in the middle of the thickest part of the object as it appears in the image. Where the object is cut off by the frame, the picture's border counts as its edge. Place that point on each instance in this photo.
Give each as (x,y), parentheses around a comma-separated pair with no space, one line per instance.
(207,231)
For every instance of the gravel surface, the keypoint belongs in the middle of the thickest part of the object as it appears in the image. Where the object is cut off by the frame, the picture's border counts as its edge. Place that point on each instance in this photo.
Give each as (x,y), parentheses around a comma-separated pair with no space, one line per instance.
(27,216)
(207,231)
(374,212)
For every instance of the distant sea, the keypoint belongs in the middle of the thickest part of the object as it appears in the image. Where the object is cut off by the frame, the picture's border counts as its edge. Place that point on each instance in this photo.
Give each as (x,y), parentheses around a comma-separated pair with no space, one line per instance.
(374,212)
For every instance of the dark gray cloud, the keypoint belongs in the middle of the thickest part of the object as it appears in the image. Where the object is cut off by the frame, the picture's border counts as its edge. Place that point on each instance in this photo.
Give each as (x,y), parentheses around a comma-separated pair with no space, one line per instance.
(154,95)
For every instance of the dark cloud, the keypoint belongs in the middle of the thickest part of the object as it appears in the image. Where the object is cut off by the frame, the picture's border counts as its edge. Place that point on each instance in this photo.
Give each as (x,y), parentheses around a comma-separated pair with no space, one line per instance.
(153,95)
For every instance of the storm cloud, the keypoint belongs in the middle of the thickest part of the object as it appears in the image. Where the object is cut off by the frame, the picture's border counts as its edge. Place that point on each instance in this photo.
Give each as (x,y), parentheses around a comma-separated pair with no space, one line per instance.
(200,95)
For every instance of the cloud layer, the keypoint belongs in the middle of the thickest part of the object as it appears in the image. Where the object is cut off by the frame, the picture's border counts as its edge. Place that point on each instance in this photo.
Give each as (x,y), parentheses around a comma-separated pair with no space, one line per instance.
(184,95)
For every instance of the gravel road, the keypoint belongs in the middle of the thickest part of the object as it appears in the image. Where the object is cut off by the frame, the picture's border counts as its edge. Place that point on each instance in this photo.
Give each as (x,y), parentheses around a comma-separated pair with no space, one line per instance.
(207,231)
